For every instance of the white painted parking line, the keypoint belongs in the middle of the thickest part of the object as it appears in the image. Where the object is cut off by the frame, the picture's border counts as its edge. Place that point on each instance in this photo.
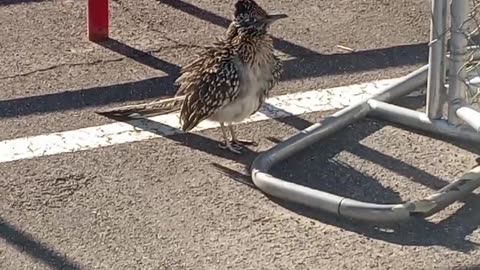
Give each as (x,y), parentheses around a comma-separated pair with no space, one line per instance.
(164,125)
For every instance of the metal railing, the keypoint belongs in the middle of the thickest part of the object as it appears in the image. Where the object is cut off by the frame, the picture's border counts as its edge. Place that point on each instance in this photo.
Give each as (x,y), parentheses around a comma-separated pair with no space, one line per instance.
(461,120)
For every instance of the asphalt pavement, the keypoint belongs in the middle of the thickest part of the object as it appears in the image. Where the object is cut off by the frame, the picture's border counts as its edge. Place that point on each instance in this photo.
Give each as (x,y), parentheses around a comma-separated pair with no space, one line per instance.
(179,202)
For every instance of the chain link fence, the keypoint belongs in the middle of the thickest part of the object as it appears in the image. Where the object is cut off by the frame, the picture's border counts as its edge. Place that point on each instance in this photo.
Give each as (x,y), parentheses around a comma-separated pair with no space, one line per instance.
(463,44)
(471,30)
(454,61)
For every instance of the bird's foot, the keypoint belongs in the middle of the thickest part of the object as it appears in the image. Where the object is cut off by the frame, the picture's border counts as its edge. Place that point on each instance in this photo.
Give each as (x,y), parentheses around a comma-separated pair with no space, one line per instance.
(237,149)
(243,142)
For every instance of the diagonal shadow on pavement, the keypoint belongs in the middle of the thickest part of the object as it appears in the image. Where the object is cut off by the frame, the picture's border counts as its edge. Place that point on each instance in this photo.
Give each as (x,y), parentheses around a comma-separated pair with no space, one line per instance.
(306,64)
(316,168)
(40,251)
(309,63)
(140,56)
(16,2)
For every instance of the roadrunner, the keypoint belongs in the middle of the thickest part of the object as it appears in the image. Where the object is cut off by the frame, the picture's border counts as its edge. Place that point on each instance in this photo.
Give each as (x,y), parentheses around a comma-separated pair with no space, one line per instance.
(228,82)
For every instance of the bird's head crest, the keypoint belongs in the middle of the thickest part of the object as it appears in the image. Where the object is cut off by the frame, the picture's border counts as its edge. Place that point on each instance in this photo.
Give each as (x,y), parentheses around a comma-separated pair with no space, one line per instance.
(248,10)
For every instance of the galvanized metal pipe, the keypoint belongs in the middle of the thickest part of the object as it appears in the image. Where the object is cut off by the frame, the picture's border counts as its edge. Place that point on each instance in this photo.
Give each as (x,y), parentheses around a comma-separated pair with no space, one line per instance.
(378,106)
(458,50)
(323,200)
(420,121)
(437,92)
(450,193)
(470,116)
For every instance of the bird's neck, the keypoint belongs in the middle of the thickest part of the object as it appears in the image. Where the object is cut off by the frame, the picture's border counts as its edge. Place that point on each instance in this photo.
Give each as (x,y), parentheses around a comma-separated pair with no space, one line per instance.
(255,49)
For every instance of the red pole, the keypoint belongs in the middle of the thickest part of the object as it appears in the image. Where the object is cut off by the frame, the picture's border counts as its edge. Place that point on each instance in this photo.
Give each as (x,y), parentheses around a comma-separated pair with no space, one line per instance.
(97,22)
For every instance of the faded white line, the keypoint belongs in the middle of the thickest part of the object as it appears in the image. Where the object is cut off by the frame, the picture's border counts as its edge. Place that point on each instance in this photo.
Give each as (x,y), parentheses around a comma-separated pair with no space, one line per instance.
(164,125)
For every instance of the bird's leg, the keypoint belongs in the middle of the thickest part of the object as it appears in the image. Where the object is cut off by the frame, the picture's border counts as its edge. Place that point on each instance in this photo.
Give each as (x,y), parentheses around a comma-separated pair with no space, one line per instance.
(227,144)
(237,141)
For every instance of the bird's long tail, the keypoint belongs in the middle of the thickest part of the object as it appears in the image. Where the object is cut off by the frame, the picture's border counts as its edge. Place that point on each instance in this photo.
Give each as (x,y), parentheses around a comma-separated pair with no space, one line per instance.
(157,107)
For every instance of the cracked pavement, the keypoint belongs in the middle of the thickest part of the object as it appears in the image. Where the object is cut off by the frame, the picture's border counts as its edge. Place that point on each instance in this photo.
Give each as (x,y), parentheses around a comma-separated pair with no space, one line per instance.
(180,202)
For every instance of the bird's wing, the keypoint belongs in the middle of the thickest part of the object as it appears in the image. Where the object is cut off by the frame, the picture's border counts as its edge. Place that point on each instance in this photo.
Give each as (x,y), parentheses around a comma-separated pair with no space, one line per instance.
(208,87)
(208,60)
(277,72)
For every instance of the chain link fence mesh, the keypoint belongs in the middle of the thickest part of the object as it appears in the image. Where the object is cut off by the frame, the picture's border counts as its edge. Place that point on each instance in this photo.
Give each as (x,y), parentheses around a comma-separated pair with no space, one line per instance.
(470,28)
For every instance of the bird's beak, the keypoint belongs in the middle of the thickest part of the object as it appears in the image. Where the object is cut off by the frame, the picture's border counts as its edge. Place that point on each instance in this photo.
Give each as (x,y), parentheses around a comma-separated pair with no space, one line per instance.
(274,17)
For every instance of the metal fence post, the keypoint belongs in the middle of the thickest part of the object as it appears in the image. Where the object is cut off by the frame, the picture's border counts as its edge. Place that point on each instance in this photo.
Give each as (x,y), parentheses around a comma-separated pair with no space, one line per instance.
(457,72)
(437,92)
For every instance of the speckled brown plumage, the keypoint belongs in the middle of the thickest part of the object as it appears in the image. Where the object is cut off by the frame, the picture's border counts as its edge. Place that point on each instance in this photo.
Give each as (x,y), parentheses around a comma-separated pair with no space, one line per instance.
(229,80)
